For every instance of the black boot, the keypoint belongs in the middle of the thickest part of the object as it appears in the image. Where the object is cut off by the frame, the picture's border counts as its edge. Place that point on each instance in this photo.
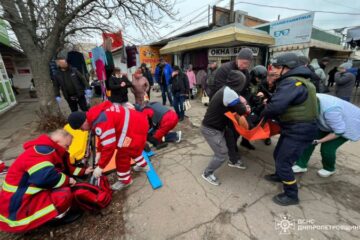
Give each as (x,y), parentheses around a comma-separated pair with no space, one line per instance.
(283,200)
(272,178)
(267,141)
(71,216)
(245,143)
(147,148)
(156,143)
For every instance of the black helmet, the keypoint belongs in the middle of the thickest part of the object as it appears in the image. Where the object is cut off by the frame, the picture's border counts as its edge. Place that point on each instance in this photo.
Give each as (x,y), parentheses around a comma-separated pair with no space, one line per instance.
(258,71)
(290,60)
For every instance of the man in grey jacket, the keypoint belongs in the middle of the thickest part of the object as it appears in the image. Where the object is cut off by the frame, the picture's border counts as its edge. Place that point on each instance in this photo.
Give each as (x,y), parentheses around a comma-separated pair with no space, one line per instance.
(345,82)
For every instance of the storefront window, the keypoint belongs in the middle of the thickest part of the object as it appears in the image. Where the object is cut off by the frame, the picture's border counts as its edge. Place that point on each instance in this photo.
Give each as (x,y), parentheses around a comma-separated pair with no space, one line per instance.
(7,98)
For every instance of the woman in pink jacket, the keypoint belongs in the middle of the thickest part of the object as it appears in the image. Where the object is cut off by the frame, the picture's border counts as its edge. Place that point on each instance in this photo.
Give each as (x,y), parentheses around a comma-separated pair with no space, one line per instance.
(140,87)
(192,79)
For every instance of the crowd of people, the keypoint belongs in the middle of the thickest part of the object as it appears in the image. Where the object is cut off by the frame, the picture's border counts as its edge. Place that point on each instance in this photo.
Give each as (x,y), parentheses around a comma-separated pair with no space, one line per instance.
(38,185)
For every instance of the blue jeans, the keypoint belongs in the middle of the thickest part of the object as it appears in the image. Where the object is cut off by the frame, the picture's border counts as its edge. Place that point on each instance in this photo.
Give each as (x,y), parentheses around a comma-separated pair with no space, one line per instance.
(345,98)
(166,89)
(171,137)
(179,105)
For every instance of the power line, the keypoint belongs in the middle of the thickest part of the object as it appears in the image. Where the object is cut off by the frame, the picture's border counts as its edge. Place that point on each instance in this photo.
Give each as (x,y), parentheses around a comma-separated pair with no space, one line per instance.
(300,9)
(187,23)
(190,22)
(337,4)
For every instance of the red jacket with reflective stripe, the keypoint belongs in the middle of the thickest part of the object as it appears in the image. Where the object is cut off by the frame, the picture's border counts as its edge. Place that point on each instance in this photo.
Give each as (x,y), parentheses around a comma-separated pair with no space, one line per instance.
(107,120)
(25,196)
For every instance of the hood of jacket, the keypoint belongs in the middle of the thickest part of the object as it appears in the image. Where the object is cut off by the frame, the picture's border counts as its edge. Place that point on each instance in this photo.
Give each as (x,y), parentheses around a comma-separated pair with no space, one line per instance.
(95,111)
(45,140)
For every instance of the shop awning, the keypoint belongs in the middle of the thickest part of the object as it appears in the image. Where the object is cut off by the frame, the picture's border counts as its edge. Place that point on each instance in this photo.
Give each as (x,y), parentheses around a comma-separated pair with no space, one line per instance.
(353,34)
(312,44)
(233,33)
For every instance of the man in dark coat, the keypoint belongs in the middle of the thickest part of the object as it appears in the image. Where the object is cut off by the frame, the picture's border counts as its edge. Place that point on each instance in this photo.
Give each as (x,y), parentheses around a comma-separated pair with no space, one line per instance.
(73,86)
(242,63)
(180,89)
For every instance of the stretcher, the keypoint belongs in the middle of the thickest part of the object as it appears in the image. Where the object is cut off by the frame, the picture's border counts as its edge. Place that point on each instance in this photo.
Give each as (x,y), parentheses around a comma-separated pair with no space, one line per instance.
(263,130)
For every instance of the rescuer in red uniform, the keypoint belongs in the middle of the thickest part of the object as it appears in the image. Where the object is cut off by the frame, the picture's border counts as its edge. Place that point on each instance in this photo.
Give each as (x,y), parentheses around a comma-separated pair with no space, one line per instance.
(37,186)
(118,128)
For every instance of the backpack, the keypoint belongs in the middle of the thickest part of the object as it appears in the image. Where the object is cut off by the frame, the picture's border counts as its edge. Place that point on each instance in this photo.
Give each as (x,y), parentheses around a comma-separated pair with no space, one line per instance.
(91,197)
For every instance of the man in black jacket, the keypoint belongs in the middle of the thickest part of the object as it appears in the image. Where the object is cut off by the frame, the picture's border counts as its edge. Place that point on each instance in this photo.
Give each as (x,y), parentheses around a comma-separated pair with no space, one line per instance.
(180,89)
(294,104)
(214,122)
(242,62)
(72,84)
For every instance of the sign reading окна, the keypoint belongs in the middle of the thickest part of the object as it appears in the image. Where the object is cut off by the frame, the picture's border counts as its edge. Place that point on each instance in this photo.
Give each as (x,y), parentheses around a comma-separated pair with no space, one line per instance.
(230,51)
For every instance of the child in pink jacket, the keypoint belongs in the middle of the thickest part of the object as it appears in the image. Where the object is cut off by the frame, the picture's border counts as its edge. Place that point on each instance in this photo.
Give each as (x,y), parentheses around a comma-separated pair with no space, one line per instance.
(192,79)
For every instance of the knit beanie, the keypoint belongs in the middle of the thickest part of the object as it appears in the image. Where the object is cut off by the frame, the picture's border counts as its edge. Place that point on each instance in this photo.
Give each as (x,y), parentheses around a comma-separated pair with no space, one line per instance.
(76,119)
(346,65)
(246,54)
(236,80)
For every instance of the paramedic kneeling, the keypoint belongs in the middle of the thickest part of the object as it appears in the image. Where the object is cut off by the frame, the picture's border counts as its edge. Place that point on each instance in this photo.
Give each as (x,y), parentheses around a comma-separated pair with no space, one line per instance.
(36,188)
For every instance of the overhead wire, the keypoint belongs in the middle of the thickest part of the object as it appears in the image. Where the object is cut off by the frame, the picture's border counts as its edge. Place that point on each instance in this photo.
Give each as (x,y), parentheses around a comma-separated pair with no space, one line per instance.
(298,9)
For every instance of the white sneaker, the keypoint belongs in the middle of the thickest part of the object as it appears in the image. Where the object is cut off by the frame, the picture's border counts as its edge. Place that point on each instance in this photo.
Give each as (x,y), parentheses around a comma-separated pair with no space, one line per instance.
(298,169)
(119,185)
(211,179)
(239,164)
(178,136)
(137,168)
(325,173)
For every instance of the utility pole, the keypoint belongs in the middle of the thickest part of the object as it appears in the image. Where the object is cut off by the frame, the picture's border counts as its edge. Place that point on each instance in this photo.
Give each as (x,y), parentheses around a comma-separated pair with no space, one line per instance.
(231,11)
(208,15)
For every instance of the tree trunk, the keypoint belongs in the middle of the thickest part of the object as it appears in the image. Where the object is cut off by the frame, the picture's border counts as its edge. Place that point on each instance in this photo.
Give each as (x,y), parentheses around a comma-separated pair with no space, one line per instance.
(44,86)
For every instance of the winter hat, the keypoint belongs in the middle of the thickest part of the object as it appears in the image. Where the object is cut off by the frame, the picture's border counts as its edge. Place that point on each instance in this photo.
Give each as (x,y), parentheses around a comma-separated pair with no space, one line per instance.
(231,98)
(246,54)
(346,65)
(176,68)
(303,60)
(236,80)
(62,55)
(76,119)
(325,59)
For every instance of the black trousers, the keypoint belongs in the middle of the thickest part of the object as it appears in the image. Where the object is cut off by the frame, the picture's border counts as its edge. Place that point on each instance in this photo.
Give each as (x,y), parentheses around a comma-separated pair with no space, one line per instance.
(74,102)
(231,137)
(292,143)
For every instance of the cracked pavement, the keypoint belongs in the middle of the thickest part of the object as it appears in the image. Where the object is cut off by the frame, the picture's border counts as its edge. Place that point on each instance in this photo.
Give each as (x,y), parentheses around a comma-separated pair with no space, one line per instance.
(187,207)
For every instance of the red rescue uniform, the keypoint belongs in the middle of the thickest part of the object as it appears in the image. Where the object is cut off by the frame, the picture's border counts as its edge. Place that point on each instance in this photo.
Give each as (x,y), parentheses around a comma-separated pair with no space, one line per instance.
(162,117)
(119,128)
(36,188)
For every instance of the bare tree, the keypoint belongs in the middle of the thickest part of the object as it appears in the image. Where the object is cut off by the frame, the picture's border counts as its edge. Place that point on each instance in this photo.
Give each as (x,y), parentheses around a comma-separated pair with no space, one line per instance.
(41,26)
